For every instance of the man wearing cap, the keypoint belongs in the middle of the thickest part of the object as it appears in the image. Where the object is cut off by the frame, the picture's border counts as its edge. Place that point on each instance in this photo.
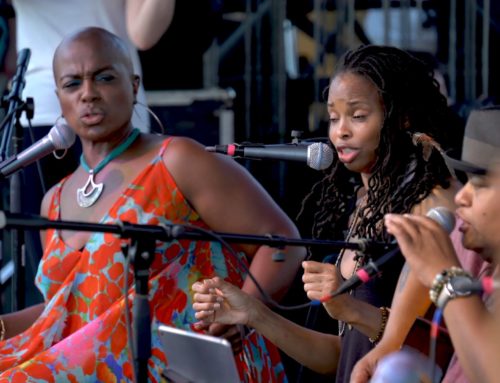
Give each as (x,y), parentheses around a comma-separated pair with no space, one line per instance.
(473,325)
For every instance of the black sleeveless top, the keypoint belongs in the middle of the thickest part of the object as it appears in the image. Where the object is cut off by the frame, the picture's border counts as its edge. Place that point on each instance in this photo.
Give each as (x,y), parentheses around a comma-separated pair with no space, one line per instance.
(377,292)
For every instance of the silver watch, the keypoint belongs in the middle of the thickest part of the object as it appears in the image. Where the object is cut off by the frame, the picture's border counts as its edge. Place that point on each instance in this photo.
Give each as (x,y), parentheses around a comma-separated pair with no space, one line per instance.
(453,289)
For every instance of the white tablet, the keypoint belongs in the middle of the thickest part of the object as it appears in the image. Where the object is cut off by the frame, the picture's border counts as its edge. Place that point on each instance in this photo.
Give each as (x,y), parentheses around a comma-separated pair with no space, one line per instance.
(197,358)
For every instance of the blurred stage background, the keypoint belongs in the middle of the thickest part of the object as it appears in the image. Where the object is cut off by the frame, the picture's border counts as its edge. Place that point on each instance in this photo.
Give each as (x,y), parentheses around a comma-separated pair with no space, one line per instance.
(256,70)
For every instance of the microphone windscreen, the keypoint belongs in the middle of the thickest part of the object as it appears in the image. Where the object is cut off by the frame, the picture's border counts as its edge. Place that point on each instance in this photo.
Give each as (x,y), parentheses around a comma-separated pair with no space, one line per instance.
(319,156)
(61,135)
(404,366)
(444,217)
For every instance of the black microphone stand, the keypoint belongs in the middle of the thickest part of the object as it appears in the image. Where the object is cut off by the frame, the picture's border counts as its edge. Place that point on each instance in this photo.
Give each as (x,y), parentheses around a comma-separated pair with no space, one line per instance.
(11,142)
(141,253)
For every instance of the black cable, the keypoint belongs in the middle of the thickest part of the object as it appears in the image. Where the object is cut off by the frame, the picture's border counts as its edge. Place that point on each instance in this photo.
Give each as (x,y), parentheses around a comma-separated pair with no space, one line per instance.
(436,320)
(265,296)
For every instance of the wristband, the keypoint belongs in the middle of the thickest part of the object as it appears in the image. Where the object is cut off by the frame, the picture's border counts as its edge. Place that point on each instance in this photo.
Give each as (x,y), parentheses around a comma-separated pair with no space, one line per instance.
(384,311)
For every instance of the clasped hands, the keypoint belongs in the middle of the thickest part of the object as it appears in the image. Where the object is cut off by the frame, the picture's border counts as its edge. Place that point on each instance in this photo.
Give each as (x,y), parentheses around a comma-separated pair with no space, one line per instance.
(217,301)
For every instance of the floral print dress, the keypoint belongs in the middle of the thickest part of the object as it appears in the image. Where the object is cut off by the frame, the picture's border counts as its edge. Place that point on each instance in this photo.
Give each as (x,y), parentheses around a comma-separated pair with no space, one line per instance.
(81,334)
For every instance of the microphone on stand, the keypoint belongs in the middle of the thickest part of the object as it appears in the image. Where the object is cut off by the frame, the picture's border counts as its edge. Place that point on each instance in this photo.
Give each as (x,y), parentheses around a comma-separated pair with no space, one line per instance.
(316,155)
(439,214)
(60,136)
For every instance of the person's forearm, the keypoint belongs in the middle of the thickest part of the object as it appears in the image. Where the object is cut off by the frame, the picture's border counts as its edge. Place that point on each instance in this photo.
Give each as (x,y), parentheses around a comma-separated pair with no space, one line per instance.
(476,338)
(275,277)
(316,351)
(364,317)
(411,300)
(17,322)
(147,21)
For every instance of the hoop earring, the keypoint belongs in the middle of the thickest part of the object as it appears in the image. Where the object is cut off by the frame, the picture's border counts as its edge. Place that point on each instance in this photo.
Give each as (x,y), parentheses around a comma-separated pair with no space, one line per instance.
(60,157)
(65,151)
(152,114)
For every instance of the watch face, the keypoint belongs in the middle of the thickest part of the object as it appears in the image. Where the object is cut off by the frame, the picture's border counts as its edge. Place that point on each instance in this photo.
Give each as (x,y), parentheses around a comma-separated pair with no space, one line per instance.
(460,286)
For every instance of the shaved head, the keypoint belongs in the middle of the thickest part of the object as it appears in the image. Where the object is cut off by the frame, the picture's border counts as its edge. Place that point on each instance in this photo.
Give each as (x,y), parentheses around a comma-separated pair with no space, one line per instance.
(99,39)
(95,83)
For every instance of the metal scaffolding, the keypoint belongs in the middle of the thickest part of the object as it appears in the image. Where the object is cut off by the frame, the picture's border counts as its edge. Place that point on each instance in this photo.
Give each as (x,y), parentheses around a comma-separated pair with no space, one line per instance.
(466,68)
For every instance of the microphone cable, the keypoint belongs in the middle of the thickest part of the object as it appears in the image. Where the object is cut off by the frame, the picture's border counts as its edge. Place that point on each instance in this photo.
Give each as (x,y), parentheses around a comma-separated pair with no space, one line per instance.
(434,332)
(266,298)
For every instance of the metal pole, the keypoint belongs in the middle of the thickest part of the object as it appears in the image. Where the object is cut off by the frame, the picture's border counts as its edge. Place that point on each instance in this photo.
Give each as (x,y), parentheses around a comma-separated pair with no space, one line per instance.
(279,78)
(387,20)
(452,51)
(485,49)
(258,93)
(405,23)
(279,75)
(351,15)
(211,66)
(473,58)
(468,52)
(248,70)
(232,40)
(341,28)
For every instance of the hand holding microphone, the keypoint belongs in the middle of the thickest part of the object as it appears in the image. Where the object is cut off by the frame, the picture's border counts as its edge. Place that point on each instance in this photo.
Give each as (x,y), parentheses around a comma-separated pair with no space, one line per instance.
(316,155)
(439,215)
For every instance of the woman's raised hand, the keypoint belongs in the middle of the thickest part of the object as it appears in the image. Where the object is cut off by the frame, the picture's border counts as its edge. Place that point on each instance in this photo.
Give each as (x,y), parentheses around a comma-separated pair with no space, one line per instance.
(320,280)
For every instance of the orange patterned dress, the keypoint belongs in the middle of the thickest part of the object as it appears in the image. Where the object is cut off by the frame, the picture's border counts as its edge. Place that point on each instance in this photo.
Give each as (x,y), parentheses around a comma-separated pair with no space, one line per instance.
(81,334)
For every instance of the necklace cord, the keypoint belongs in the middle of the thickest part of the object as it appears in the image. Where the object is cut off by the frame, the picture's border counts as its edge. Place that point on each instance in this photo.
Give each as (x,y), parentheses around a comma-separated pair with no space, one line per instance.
(124,145)
(87,195)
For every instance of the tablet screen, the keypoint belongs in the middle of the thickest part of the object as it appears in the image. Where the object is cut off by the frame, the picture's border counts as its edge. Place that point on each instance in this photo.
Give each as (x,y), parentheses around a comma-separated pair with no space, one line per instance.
(197,358)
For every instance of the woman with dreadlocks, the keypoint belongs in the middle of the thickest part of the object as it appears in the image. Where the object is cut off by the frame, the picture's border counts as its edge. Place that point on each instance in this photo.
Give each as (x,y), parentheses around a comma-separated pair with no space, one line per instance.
(386,114)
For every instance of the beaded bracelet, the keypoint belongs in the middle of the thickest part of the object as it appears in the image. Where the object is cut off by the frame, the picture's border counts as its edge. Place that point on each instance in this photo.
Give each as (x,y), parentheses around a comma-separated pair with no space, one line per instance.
(442,278)
(385,316)
(2,329)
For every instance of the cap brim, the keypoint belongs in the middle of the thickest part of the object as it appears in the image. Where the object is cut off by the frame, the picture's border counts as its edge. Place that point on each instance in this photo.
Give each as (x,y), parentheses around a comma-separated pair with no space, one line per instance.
(464,166)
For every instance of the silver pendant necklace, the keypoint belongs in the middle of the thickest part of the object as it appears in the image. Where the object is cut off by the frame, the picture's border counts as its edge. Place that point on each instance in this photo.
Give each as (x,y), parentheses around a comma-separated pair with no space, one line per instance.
(89,193)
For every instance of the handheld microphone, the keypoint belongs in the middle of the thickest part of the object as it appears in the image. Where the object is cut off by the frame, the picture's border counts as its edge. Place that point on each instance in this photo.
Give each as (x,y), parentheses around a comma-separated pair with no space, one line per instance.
(439,214)
(405,366)
(485,285)
(316,155)
(60,136)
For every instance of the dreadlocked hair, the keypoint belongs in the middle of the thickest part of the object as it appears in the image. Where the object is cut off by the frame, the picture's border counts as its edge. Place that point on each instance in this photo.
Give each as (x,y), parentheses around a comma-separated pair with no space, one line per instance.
(401,176)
